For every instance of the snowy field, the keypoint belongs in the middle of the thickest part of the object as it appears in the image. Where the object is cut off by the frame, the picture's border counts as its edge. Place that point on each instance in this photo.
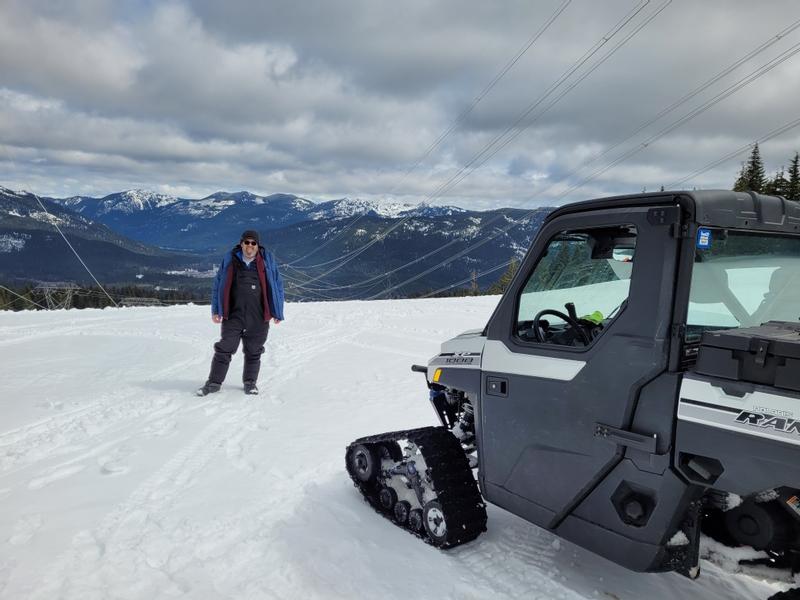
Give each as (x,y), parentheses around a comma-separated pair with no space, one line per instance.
(117,482)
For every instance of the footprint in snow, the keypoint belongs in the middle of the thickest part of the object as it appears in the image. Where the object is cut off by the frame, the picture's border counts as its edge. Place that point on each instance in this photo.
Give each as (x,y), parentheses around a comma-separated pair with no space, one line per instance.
(162,428)
(54,475)
(116,463)
(25,529)
(51,404)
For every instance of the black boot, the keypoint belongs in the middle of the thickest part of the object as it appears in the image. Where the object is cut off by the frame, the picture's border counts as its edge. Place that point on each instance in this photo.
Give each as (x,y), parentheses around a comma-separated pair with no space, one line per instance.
(250,388)
(208,388)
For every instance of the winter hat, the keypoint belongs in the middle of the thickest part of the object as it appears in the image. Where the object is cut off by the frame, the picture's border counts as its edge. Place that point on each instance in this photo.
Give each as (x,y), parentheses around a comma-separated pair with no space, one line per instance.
(250,234)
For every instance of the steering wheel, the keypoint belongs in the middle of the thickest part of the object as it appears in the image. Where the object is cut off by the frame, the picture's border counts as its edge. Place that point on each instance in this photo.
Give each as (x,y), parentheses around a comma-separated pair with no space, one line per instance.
(538,330)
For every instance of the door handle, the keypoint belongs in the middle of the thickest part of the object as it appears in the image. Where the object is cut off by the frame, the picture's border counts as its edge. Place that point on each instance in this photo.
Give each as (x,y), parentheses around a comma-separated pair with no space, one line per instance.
(629,439)
(497,386)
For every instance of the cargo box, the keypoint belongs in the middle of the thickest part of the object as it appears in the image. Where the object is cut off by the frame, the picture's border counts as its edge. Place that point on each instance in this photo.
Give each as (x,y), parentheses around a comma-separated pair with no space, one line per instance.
(768,354)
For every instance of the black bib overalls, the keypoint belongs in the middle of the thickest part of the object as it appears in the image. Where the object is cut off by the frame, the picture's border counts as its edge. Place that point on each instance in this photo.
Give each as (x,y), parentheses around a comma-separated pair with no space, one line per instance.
(245,323)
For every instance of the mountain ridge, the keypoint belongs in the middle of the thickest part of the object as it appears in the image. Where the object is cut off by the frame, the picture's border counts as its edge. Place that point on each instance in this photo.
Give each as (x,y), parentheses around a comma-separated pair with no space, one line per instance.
(327,249)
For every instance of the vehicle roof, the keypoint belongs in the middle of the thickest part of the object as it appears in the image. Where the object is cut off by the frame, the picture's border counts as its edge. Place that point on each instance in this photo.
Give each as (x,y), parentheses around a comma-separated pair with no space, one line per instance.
(716,208)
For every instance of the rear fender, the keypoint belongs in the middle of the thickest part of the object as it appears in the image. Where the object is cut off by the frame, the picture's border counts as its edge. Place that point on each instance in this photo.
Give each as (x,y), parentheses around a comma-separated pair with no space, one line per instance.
(738,438)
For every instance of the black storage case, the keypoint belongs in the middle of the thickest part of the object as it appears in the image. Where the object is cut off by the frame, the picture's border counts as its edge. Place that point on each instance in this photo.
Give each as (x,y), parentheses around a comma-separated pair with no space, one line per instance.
(768,354)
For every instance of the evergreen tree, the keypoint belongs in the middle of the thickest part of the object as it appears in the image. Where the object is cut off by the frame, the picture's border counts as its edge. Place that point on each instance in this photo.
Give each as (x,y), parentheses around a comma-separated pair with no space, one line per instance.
(756,177)
(778,185)
(501,285)
(793,186)
(740,185)
(752,176)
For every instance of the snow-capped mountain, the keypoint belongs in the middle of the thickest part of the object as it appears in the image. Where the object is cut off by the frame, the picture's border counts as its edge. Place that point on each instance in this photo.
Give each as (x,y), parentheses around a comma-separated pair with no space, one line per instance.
(429,210)
(352,207)
(347,207)
(128,202)
(31,247)
(213,205)
(213,222)
(22,211)
(402,239)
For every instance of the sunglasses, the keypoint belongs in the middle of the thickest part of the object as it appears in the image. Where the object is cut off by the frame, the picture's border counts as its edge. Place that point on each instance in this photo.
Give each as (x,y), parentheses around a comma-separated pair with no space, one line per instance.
(249,243)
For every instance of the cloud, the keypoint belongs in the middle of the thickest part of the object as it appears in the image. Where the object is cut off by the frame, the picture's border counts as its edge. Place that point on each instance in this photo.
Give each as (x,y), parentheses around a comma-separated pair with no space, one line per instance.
(329,99)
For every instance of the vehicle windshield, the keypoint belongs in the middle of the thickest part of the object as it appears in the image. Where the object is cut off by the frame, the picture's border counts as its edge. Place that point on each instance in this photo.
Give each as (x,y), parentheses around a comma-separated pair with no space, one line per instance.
(743,280)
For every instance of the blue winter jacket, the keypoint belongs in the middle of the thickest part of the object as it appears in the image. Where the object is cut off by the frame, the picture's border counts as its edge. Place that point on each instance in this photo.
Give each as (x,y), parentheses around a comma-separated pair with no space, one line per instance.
(220,292)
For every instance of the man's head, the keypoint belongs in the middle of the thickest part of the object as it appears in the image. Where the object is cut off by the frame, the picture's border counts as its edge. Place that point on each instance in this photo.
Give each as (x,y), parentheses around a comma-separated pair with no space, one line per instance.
(249,243)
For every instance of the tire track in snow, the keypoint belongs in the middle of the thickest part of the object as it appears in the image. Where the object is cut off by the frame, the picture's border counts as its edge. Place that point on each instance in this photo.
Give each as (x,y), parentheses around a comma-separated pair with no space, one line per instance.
(116,547)
(121,532)
(41,440)
(517,558)
(386,349)
(48,330)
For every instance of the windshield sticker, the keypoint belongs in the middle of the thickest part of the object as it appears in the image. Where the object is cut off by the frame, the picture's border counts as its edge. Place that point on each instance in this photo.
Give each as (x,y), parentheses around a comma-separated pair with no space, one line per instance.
(703,238)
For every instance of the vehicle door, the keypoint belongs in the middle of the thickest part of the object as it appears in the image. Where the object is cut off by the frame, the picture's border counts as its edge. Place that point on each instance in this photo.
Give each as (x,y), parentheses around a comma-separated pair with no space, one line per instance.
(548,385)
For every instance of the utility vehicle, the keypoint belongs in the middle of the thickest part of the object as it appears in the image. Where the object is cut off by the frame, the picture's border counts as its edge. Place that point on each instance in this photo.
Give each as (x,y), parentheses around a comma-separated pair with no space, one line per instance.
(638,380)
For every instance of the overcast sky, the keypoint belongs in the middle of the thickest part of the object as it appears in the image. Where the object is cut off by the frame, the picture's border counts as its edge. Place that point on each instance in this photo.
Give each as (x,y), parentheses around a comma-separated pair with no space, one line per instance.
(326,99)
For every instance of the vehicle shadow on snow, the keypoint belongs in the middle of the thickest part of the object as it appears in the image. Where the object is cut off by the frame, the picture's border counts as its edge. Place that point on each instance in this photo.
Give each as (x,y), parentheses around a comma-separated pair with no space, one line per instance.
(336,546)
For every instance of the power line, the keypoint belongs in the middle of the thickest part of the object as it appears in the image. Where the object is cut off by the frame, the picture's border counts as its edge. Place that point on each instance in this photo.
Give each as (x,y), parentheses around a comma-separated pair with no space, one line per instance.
(468,279)
(320,247)
(513,131)
(727,70)
(465,251)
(457,122)
(22,297)
(685,98)
(702,87)
(582,60)
(564,77)
(465,113)
(679,122)
(730,90)
(75,252)
(436,250)
(772,134)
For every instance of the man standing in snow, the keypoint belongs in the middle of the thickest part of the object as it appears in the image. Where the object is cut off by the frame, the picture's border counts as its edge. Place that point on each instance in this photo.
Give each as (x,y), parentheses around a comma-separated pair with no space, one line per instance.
(247,293)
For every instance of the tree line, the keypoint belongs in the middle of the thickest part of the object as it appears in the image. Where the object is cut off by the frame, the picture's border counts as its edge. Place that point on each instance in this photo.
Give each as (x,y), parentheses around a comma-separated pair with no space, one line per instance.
(27,297)
(753,177)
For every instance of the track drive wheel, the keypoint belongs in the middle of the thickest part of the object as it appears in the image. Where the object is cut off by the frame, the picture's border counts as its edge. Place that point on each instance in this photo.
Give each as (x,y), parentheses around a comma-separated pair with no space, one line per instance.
(363,463)
(433,520)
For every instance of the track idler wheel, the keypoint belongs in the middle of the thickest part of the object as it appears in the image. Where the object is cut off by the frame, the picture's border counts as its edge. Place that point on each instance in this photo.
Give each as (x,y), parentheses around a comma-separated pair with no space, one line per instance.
(415,521)
(363,463)
(401,511)
(433,520)
(387,498)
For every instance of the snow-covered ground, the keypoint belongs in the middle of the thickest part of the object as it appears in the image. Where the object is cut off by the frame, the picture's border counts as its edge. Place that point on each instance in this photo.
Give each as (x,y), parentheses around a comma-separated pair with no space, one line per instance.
(117,482)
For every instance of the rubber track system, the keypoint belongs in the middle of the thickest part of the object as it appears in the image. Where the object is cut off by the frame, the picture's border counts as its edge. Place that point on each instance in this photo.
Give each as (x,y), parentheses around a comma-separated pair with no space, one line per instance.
(451,479)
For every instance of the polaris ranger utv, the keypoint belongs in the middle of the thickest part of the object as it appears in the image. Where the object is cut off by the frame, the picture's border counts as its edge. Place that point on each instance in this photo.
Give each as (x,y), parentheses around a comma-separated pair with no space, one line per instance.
(640,377)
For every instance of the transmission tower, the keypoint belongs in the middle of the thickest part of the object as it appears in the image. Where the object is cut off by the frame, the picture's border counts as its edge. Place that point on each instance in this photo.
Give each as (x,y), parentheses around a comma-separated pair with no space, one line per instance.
(57,294)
